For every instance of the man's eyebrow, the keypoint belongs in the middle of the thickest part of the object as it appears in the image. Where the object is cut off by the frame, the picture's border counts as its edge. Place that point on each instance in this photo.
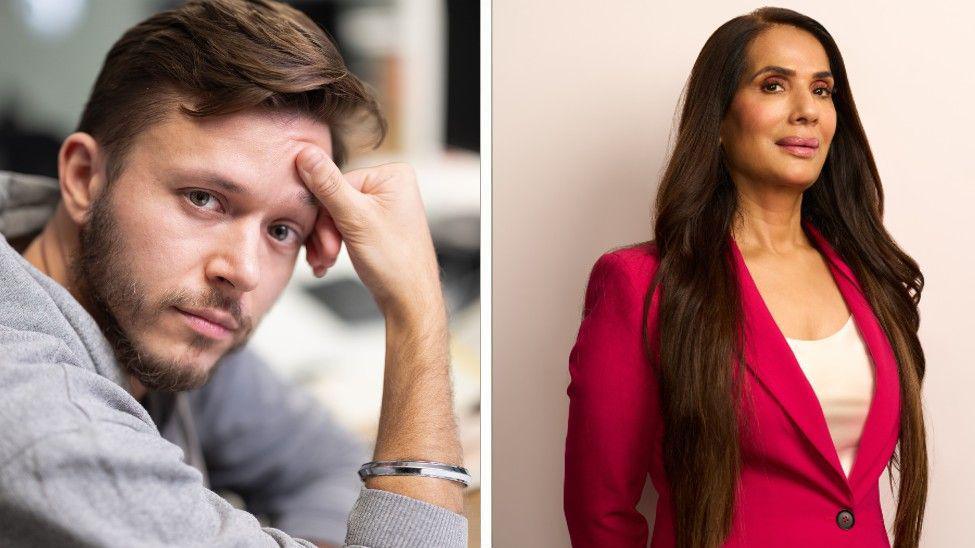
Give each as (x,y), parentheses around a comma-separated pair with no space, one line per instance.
(789,72)
(304,196)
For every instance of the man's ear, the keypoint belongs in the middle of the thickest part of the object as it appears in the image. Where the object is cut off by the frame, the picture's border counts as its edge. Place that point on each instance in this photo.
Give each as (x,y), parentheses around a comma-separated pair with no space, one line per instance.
(80,174)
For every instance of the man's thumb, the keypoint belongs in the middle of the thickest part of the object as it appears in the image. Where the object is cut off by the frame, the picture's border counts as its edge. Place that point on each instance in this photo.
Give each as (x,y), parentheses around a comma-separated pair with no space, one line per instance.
(325,181)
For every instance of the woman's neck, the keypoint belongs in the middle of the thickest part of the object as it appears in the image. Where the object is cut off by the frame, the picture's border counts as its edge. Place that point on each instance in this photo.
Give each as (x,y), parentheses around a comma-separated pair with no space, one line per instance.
(770,222)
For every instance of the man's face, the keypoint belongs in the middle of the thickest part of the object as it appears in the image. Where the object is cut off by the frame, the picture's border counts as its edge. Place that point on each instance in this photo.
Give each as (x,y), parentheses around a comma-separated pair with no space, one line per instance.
(202,228)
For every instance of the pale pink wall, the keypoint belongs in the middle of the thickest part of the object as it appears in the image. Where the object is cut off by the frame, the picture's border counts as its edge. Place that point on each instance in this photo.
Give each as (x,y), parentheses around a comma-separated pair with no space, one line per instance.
(584,95)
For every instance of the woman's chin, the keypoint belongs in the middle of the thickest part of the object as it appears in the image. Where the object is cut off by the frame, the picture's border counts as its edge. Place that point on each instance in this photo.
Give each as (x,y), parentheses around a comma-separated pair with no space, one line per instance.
(799,179)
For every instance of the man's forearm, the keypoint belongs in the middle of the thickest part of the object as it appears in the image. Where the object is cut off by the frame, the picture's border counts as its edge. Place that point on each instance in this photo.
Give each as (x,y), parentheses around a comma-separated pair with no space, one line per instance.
(379,213)
(417,420)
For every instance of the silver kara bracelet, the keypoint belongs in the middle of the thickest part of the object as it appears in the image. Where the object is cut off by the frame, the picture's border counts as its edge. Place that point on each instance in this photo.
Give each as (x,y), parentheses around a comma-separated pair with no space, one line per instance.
(423,468)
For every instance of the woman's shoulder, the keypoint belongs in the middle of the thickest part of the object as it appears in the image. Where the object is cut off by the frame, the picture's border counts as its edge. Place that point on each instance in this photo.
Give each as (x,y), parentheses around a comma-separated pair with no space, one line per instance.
(638,257)
(637,262)
(637,254)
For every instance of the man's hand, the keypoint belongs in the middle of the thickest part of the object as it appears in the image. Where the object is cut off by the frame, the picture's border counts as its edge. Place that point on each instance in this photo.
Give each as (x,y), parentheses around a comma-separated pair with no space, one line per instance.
(379,214)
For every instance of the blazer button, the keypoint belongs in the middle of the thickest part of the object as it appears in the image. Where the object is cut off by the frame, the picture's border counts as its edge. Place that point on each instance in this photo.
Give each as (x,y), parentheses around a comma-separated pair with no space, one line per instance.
(844,519)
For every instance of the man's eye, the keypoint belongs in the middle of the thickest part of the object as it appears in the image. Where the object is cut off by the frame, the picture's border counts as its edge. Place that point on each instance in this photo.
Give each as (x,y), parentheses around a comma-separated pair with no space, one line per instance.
(280,232)
(201,198)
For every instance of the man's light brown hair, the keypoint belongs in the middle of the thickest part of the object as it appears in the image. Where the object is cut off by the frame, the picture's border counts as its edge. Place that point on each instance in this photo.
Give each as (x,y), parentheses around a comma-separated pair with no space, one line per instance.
(218,57)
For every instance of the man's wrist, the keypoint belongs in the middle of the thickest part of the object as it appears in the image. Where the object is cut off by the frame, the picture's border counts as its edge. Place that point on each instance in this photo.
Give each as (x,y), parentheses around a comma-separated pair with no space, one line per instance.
(412,467)
(421,312)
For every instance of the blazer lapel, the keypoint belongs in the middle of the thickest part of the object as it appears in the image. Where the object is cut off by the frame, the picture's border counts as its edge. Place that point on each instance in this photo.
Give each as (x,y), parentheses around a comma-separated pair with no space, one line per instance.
(772,361)
(882,427)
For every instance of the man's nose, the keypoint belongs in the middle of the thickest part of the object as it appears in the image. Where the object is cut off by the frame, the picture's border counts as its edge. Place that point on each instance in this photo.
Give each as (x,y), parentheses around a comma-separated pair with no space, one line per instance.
(236,258)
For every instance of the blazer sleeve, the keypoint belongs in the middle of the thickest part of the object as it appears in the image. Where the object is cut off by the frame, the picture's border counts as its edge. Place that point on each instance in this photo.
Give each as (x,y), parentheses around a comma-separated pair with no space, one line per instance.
(611,410)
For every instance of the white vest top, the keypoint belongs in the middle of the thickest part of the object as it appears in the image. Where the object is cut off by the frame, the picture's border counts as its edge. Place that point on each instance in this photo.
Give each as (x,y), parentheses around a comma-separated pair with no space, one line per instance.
(839,369)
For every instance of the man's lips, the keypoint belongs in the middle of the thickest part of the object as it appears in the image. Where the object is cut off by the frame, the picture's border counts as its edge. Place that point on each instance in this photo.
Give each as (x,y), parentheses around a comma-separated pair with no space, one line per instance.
(215,318)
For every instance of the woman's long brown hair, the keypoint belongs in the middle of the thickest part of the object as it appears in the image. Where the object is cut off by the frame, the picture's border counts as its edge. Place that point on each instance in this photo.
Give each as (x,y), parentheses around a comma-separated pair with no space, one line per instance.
(700,315)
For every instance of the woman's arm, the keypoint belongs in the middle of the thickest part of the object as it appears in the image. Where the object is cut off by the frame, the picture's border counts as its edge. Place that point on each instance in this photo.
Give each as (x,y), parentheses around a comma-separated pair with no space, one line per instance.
(611,412)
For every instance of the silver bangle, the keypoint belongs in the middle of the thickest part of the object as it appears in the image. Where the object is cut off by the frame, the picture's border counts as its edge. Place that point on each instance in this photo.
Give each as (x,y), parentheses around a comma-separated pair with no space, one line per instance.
(423,468)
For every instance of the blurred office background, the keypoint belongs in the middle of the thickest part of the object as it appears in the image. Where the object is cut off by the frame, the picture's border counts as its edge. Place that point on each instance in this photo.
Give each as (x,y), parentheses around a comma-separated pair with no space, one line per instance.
(422,58)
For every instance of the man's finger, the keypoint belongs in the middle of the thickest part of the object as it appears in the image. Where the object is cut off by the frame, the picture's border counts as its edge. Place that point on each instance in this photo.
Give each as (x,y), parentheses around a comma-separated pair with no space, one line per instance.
(366,179)
(326,182)
(313,254)
(329,237)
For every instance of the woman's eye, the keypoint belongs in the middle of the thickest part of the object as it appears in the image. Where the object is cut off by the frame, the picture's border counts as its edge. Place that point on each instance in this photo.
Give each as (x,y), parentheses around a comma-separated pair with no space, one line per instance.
(201,198)
(280,232)
(829,92)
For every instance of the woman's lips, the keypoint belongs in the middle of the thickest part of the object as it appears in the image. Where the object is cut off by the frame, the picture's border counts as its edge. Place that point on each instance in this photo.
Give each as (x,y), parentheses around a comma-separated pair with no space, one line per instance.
(795,140)
(801,152)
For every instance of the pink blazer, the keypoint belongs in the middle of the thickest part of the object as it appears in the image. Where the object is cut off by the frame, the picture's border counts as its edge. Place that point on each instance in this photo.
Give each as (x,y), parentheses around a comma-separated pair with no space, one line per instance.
(792,490)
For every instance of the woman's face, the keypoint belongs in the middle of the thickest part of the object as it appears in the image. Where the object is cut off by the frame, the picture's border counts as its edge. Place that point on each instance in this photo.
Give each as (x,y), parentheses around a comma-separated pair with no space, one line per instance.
(786,92)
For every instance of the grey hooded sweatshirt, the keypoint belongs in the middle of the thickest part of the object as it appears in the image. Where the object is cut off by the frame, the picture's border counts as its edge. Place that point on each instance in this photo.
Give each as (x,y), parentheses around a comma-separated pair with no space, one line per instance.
(83,463)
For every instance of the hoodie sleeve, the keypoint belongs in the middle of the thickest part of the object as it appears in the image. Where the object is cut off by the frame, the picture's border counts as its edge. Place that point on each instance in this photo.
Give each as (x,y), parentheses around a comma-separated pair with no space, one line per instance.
(275,445)
(81,464)
(81,468)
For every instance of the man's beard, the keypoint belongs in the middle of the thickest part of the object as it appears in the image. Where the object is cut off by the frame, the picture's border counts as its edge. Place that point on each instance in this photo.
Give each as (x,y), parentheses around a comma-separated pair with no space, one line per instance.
(101,271)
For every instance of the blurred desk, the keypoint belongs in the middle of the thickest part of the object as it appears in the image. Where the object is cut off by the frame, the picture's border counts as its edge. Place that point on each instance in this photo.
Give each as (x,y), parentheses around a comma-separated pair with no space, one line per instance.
(472,507)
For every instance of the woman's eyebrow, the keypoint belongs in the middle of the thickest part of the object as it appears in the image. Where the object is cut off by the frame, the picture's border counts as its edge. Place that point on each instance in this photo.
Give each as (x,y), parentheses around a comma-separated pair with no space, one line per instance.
(789,72)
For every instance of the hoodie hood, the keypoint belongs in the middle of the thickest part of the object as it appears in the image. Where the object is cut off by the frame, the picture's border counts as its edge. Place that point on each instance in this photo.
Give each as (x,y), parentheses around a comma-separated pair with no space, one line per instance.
(26,203)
